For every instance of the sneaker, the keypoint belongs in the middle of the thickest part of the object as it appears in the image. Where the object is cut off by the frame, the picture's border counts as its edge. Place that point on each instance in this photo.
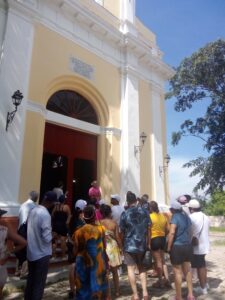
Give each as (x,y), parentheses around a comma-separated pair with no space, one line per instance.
(202,291)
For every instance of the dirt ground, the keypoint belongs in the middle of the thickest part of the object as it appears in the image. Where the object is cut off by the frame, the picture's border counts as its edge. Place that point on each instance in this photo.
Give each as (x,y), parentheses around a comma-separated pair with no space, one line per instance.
(216,280)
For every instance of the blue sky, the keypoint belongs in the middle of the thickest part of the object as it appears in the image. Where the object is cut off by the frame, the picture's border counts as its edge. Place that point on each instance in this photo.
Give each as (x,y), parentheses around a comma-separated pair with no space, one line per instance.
(182,27)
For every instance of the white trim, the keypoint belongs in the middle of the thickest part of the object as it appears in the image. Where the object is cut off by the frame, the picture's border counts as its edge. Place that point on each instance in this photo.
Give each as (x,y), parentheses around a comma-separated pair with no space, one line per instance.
(72,123)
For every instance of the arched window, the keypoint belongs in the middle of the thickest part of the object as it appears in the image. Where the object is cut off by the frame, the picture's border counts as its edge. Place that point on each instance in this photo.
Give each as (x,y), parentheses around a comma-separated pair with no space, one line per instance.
(72,104)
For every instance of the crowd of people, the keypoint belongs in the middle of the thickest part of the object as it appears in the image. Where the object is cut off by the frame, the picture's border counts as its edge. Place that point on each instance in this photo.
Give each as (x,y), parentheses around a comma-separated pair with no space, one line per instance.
(98,237)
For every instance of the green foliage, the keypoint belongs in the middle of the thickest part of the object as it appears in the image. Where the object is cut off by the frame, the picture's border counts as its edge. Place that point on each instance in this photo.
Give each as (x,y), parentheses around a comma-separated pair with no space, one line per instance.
(216,206)
(217,229)
(201,77)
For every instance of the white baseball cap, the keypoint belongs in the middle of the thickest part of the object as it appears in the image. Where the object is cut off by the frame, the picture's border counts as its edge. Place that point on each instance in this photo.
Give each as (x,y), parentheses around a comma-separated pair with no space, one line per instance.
(194,203)
(116,196)
(81,204)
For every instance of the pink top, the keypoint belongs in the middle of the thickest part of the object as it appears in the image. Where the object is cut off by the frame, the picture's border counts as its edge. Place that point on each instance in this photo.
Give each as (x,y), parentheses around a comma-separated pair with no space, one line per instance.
(94,192)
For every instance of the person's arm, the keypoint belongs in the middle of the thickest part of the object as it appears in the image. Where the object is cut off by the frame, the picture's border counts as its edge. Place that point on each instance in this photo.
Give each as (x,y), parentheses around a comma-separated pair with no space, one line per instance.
(46,229)
(149,236)
(18,240)
(171,236)
(68,212)
(117,236)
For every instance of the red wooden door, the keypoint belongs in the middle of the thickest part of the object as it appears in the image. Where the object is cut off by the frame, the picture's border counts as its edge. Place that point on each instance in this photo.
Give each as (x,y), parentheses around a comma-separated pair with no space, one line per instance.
(69,156)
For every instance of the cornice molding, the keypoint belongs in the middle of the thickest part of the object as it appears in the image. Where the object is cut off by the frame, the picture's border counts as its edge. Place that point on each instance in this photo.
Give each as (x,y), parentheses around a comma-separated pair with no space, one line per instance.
(112,45)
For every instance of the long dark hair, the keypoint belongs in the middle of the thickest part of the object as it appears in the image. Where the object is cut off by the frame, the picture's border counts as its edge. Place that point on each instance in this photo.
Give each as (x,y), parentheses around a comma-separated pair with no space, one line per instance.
(154,206)
(105,210)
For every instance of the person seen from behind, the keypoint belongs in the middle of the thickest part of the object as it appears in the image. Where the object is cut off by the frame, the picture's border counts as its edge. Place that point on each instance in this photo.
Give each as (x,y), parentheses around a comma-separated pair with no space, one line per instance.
(134,229)
(76,222)
(39,246)
(91,268)
(200,230)
(113,244)
(159,230)
(180,249)
(60,221)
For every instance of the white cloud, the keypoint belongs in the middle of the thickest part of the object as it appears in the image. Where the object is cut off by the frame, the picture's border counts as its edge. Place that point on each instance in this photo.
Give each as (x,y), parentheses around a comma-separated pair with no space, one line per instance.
(179,181)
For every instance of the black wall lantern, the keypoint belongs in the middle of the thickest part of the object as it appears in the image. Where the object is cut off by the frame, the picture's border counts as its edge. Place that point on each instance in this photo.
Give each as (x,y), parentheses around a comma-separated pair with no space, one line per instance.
(16,99)
(138,149)
(162,169)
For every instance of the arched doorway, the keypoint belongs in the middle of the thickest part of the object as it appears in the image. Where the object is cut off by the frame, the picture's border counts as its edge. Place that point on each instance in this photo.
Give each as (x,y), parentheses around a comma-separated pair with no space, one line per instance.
(69,155)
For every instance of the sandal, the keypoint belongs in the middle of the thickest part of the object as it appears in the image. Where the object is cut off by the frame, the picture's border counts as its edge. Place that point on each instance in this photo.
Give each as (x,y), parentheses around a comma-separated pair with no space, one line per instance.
(145,298)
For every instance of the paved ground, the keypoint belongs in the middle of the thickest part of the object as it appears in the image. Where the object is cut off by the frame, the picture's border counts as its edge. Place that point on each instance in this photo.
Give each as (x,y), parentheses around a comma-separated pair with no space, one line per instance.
(216,280)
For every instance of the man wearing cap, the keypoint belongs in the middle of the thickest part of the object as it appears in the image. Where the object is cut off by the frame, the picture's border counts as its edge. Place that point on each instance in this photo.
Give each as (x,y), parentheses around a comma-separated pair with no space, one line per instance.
(39,246)
(200,230)
(117,209)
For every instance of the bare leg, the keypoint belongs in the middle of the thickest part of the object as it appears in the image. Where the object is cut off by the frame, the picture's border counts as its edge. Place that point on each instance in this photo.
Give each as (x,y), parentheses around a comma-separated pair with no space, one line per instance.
(72,277)
(186,267)
(202,276)
(132,280)
(63,245)
(178,280)
(159,264)
(143,280)
(165,270)
(115,280)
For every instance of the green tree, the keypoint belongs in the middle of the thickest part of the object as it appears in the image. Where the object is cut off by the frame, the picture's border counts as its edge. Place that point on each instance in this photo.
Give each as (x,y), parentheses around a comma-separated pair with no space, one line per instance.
(216,206)
(201,77)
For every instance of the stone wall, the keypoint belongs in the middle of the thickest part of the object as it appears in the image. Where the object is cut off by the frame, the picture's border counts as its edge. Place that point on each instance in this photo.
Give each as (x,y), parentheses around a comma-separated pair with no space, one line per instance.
(218,221)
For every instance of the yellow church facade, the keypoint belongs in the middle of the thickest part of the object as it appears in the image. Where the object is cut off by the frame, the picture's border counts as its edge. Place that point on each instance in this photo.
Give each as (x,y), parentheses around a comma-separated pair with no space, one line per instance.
(92,79)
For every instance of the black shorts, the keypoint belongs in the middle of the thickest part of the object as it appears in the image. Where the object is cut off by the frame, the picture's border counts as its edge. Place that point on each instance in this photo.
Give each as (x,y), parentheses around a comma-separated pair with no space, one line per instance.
(180,254)
(158,243)
(198,261)
(132,259)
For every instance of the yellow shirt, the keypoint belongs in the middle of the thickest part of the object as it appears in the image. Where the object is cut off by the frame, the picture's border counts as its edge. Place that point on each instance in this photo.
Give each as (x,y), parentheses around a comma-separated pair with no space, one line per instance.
(159,224)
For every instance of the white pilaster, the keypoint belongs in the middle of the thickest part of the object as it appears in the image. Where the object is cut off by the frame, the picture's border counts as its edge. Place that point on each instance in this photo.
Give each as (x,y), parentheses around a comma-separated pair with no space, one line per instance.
(156,144)
(130,167)
(127,8)
(14,75)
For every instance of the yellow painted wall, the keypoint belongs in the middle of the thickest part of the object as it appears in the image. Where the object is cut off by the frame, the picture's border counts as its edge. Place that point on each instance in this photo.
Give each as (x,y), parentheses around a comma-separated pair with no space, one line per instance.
(109,12)
(145,112)
(32,155)
(50,60)
(50,63)
(113,6)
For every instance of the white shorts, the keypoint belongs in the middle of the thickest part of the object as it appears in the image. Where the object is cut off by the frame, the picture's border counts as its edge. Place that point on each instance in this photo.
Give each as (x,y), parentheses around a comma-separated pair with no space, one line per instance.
(3,275)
